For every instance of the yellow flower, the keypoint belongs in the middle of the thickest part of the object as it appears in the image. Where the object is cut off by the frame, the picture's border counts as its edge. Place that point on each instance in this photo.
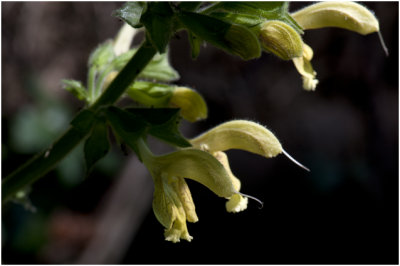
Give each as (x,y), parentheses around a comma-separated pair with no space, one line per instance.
(238,134)
(192,105)
(207,164)
(347,15)
(172,201)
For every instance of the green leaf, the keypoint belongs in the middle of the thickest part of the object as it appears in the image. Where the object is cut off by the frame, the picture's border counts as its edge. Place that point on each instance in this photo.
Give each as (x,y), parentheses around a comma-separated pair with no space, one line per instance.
(102,55)
(97,145)
(131,13)
(160,69)
(158,22)
(151,94)
(126,126)
(234,39)
(75,87)
(163,123)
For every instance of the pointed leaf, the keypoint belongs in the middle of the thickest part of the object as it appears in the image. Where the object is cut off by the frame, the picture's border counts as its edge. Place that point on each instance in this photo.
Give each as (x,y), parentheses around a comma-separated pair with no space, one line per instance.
(131,13)
(158,22)
(163,124)
(75,87)
(126,126)
(102,55)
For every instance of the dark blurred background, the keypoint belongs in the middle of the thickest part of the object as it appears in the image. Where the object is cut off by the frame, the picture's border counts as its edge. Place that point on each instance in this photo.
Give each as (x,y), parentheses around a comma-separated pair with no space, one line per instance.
(344,211)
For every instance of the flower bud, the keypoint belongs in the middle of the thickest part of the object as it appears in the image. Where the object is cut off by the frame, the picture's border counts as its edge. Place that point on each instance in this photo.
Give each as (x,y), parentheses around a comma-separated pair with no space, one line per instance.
(281,39)
(346,15)
(193,107)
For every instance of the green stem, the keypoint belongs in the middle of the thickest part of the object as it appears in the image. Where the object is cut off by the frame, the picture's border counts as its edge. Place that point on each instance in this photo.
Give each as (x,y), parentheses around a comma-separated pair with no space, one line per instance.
(91,84)
(41,164)
(127,75)
(45,161)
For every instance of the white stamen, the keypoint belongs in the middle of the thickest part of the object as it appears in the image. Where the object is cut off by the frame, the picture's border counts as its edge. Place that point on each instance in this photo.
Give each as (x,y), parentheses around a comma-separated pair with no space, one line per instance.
(251,197)
(385,49)
(293,160)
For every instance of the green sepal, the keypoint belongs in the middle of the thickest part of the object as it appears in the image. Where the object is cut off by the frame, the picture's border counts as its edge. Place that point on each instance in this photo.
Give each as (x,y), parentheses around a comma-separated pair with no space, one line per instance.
(163,124)
(150,94)
(75,87)
(83,121)
(263,10)
(97,144)
(232,38)
(195,44)
(158,22)
(126,126)
(131,13)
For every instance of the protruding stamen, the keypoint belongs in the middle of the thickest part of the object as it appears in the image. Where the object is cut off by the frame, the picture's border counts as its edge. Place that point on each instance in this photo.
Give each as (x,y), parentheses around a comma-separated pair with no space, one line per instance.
(384,47)
(251,197)
(293,160)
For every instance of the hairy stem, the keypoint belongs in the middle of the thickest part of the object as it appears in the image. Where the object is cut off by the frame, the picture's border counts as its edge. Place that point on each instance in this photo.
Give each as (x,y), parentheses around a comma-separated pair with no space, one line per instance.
(45,161)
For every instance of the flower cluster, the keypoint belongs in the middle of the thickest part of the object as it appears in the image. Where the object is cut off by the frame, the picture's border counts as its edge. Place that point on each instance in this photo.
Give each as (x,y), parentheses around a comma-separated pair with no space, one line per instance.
(281,39)
(207,164)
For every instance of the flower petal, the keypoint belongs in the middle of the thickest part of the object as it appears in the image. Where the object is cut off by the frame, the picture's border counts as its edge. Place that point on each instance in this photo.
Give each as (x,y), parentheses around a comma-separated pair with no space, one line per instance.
(347,15)
(304,67)
(170,208)
(193,107)
(236,203)
(239,134)
(197,165)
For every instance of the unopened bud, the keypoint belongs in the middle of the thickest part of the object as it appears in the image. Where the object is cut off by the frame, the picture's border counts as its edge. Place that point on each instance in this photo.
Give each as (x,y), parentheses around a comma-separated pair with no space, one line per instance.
(281,39)
(193,107)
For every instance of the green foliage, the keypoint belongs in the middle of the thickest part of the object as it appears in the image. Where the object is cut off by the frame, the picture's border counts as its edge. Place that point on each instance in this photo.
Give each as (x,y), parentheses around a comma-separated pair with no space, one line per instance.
(158,22)
(162,123)
(133,123)
(131,13)
(101,56)
(159,69)
(234,39)
(76,88)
